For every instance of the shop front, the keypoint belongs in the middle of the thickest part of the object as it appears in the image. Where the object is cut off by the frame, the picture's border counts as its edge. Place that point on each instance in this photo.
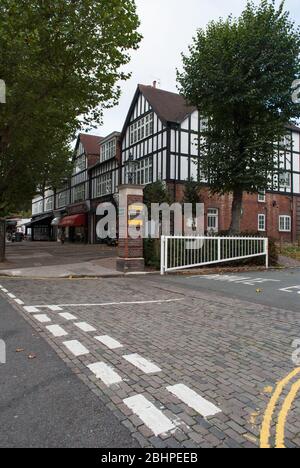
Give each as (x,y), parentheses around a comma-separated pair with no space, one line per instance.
(41,228)
(74,226)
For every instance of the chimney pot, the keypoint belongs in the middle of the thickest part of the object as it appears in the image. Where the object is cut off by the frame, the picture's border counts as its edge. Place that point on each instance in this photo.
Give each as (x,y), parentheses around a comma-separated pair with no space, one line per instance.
(154,84)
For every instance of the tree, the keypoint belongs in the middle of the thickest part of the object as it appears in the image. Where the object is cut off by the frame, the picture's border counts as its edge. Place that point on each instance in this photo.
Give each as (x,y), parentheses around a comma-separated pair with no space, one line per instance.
(156,193)
(239,74)
(62,63)
(192,194)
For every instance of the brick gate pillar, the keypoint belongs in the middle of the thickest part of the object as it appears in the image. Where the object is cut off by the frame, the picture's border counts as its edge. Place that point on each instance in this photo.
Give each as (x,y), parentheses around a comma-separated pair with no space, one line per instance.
(131,250)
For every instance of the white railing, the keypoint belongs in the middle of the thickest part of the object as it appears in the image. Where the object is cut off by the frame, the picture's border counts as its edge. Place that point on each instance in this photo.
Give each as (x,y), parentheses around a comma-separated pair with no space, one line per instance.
(179,253)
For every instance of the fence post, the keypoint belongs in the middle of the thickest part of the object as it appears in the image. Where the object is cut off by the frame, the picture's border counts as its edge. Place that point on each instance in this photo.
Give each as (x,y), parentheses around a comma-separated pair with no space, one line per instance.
(2,239)
(267,253)
(162,255)
(219,249)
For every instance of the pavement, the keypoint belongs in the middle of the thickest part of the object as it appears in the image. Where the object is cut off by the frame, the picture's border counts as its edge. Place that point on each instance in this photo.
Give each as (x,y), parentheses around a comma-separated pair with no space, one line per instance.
(42,402)
(54,260)
(181,362)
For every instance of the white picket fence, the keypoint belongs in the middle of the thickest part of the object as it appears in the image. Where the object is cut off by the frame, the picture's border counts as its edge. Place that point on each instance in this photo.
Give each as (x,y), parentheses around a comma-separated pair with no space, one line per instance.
(179,253)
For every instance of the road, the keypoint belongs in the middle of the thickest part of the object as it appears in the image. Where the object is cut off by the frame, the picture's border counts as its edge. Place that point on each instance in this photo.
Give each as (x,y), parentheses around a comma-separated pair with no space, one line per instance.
(42,402)
(180,361)
(274,288)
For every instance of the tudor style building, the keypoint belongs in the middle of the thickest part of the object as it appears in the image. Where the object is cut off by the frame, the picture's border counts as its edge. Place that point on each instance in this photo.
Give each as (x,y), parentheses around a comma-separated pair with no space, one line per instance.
(161,134)
(67,208)
(104,180)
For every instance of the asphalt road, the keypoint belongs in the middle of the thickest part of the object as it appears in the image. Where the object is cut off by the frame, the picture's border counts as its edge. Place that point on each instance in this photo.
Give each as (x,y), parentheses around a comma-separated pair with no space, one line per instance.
(276,288)
(42,402)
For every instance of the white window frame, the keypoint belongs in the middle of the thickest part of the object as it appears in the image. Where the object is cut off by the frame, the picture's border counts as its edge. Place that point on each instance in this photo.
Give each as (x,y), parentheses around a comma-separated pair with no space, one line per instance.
(213,214)
(80,164)
(142,129)
(79,193)
(108,150)
(102,185)
(144,171)
(262,196)
(259,218)
(286,227)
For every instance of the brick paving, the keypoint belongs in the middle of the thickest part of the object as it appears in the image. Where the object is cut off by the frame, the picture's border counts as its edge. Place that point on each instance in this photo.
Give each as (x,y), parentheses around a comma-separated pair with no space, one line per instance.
(228,351)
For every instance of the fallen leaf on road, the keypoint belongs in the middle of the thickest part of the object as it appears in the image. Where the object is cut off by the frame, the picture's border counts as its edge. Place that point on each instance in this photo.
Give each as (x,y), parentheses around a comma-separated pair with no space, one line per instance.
(259,291)
(268,389)
(32,356)
(251,438)
(20,350)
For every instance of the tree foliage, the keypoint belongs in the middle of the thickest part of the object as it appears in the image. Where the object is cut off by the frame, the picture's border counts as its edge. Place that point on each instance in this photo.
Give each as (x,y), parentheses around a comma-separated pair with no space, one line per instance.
(156,193)
(62,62)
(192,194)
(239,74)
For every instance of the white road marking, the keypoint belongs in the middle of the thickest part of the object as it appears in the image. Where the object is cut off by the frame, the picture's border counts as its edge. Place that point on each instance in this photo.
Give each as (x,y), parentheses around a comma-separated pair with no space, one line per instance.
(76,348)
(105,373)
(55,308)
(86,327)
(57,331)
(42,318)
(12,296)
(194,401)
(5,290)
(109,342)
(152,417)
(104,304)
(18,301)
(67,316)
(291,289)
(142,364)
(31,309)
(247,280)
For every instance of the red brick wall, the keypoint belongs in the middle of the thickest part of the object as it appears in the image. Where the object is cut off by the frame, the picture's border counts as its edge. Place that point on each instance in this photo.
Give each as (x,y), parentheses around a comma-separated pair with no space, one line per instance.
(132,248)
(275,205)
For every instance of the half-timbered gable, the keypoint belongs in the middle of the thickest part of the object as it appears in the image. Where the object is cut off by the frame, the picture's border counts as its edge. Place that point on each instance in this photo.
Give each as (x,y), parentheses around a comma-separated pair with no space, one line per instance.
(104,175)
(161,132)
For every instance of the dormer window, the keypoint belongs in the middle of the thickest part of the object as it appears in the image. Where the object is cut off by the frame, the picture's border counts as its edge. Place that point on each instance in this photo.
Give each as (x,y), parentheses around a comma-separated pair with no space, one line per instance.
(108,150)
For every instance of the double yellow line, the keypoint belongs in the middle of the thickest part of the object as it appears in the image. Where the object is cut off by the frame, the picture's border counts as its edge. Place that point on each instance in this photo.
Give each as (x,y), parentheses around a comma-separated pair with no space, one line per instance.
(265,434)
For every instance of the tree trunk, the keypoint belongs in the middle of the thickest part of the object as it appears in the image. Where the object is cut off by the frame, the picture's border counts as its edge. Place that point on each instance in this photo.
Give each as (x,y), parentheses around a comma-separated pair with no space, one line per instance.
(2,239)
(236,213)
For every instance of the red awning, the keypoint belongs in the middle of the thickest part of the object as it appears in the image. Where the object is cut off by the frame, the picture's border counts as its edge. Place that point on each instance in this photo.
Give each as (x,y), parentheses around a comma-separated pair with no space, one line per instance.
(73,221)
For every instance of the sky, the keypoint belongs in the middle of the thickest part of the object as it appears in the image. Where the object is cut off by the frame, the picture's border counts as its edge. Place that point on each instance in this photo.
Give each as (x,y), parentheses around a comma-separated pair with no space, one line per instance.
(168,27)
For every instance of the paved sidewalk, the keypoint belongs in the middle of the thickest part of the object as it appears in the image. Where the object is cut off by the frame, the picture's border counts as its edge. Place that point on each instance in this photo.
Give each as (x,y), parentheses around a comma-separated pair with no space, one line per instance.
(288,262)
(74,270)
(53,260)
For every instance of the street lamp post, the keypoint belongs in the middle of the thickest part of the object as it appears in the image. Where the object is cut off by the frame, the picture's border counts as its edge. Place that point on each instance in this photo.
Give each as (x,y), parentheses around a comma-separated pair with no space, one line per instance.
(130,169)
